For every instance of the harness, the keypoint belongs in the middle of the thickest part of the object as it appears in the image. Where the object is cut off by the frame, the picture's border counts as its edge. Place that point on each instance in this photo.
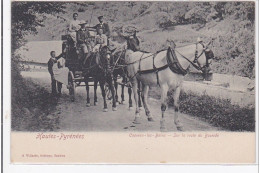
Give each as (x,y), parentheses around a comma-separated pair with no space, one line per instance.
(173,63)
(154,70)
(86,70)
(122,67)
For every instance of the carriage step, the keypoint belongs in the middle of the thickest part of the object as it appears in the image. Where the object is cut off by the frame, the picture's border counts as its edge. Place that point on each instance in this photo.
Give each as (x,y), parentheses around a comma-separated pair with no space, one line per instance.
(78,73)
(78,78)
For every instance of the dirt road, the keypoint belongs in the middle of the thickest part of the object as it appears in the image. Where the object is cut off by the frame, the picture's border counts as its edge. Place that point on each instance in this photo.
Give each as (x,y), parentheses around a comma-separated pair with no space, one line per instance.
(75,116)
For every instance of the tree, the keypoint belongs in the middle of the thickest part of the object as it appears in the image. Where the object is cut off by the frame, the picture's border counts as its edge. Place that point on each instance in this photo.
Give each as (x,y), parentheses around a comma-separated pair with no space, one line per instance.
(27,16)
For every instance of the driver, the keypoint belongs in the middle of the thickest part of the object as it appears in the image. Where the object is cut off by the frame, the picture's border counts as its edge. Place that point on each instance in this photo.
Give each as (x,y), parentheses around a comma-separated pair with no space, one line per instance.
(83,41)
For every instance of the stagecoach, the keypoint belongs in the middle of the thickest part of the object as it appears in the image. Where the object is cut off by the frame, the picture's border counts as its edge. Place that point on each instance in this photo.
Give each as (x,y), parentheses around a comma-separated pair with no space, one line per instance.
(167,75)
(76,71)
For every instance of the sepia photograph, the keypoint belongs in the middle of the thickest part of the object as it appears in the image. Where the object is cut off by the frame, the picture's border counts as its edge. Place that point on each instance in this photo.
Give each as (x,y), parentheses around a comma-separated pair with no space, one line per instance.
(158,69)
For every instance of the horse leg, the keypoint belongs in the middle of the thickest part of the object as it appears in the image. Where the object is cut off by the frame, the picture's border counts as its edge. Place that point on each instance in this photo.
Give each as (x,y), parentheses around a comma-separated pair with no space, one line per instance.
(137,111)
(145,89)
(176,96)
(95,92)
(130,98)
(112,89)
(116,86)
(139,95)
(122,91)
(87,89)
(102,83)
(130,95)
(122,94)
(164,90)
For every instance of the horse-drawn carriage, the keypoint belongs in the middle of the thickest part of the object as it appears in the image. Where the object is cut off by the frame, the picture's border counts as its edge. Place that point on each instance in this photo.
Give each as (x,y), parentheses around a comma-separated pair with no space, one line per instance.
(165,68)
(75,76)
(77,72)
(73,63)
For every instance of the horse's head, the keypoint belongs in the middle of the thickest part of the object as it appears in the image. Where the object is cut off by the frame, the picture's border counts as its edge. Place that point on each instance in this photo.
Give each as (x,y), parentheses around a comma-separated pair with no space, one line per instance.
(106,56)
(203,55)
(133,42)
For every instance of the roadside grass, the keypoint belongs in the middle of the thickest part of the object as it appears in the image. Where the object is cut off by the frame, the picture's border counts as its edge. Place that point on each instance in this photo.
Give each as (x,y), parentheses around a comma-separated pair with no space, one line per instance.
(31,105)
(218,112)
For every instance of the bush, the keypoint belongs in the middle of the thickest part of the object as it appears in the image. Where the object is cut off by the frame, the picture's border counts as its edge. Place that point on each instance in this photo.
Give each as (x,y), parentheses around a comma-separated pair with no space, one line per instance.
(30,105)
(218,112)
(167,24)
(235,51)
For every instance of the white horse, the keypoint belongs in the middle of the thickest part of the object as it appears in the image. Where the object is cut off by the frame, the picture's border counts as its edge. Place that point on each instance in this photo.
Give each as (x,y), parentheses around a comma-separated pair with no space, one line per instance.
(166,69)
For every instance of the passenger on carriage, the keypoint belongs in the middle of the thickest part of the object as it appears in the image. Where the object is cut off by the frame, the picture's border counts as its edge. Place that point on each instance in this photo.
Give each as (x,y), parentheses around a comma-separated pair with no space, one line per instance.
(74,27)
(104,26)
(100,40)
(83,42)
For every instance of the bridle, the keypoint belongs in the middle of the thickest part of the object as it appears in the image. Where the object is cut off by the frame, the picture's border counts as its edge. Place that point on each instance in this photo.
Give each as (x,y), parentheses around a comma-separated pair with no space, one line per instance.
(106,66)
(195,63)
(131,45)
(196,57)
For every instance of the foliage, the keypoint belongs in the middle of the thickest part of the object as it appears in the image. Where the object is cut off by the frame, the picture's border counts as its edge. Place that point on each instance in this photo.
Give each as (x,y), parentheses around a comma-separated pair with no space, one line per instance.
(199,13)
(231,23)
(27,16)
(30,105)
(27,97)
(235,49)
(219,112)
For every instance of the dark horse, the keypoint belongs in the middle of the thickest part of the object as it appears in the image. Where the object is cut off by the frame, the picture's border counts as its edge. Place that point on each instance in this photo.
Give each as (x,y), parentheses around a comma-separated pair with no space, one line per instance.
(118,58)
(100,69)
(119,70)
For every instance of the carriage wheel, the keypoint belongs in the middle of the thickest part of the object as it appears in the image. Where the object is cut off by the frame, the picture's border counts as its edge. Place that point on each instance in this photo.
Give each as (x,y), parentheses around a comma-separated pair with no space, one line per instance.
(108,92)
(71,86)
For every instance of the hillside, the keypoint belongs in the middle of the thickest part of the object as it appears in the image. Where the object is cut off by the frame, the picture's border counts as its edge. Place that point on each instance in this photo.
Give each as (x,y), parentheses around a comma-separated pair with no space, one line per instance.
(230,23)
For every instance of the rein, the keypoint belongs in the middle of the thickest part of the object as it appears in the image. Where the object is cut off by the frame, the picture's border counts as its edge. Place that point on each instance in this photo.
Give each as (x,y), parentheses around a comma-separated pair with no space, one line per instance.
(186,45)
(115,64)
(142,58)
(196,57)
(192,63)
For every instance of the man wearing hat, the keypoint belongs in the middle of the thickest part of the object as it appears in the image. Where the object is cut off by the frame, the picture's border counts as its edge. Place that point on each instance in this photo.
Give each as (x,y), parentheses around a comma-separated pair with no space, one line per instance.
(74,27)
(104,27)
(83,42)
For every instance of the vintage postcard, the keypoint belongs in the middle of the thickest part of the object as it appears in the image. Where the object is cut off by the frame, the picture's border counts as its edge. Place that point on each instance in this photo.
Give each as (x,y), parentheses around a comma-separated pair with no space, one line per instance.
(133,82)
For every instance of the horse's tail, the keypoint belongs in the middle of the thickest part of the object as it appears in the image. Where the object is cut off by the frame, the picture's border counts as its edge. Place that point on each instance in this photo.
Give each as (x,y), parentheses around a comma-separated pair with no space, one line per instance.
(174,63)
